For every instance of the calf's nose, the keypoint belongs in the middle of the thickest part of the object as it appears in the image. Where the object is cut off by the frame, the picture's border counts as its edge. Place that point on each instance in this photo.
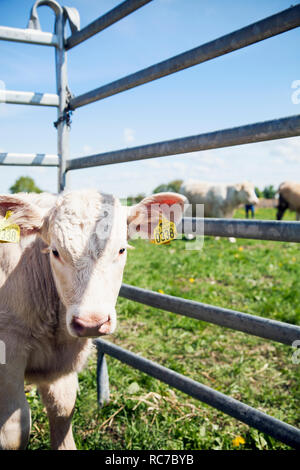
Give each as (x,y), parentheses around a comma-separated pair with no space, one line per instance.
(84,327)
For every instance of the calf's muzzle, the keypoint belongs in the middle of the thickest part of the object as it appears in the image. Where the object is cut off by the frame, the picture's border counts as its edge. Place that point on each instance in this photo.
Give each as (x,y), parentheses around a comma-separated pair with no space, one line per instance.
(91,328)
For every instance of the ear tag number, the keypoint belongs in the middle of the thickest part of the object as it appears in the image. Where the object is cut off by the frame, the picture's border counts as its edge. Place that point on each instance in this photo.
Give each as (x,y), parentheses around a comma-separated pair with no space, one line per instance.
(165,232)
(9,233)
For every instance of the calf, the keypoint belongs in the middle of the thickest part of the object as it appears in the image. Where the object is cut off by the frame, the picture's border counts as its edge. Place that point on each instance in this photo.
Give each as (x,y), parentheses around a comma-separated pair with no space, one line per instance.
(58,288)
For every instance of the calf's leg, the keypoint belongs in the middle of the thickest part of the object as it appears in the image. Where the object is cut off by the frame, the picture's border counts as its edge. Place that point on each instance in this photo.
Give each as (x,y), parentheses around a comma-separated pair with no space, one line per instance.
(15,420)
(59,399)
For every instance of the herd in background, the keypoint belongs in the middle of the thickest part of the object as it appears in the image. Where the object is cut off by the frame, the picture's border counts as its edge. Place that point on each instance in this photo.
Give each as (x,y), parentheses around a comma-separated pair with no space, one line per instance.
(221,200)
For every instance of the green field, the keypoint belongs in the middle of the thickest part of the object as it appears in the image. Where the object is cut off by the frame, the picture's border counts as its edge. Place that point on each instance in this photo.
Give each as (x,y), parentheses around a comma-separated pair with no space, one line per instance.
(256,277)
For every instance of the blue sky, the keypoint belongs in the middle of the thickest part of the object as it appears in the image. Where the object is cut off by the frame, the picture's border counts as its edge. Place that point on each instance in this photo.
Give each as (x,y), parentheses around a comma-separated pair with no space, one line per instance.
(249,85)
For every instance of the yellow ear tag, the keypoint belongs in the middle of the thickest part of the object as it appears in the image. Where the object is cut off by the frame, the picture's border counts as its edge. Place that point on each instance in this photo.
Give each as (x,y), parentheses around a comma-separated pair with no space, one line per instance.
(9,233)
(165,232)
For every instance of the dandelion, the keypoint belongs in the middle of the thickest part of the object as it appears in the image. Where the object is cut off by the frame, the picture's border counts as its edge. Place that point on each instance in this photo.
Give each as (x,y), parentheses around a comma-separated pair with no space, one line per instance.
(191,279)
(160,291)
(240,248)
(237,441)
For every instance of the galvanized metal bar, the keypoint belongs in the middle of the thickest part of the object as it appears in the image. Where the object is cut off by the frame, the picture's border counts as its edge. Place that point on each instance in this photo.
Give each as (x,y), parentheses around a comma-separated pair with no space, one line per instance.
(102,379)
(257,419)
(253,229)
(30,36)
(28,97)
(263,327)
(103,22)
(28,159)
(255,32)
(62,91)
(258,132)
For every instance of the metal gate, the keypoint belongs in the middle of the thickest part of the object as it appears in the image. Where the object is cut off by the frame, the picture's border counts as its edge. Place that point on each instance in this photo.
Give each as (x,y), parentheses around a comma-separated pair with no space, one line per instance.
(257,132)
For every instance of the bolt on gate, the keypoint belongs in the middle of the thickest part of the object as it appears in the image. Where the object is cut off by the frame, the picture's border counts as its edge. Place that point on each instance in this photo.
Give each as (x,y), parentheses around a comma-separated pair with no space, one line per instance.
(65,103)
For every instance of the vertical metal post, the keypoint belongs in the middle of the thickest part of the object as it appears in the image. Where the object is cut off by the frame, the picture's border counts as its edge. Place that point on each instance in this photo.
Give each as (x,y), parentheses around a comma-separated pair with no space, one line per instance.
(62,87)
(102,379)
(62,123)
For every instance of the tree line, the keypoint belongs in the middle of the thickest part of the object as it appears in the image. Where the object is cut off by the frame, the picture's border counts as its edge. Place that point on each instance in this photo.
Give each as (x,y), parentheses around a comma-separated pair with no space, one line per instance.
(27,184)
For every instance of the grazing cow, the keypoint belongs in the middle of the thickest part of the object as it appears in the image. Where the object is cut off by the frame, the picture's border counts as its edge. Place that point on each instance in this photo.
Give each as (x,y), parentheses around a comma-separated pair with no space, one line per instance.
(220,200)
(289,198)
(58,288)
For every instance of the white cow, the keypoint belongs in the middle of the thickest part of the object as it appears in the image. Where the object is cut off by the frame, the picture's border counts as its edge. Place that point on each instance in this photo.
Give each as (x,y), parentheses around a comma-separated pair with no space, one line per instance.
(58,288)
(220,200)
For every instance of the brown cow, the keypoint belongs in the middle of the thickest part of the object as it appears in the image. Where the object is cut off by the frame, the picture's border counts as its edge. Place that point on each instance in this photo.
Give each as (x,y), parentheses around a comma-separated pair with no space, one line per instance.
(289,198)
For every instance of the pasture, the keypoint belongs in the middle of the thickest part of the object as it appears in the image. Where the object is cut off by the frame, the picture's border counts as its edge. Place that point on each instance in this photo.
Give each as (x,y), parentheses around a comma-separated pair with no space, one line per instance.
(256,277)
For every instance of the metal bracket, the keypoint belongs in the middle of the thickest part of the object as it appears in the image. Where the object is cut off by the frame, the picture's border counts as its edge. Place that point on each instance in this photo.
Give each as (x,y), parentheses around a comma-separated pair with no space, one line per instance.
(66,117)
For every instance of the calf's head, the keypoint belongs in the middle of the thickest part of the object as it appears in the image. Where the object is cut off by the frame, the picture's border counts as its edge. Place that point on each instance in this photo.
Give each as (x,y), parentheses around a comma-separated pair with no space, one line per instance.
(86,234)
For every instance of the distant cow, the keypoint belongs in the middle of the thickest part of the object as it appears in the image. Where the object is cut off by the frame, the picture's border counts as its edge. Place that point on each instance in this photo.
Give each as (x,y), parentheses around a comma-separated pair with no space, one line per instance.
(58,288)
(289,198)
(220,200)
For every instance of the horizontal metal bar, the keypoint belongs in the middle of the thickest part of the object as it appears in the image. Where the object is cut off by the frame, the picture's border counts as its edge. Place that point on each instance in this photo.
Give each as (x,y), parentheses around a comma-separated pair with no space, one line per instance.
(103,22)
(28,159)
(263,327)
(258,132)
(254,229)
(257,419)
(30,36)
(28,97)
(255,32)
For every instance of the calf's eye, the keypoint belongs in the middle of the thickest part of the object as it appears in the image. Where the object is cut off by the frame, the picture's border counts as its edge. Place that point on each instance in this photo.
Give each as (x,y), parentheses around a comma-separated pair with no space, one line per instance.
(55,253)
(121,251)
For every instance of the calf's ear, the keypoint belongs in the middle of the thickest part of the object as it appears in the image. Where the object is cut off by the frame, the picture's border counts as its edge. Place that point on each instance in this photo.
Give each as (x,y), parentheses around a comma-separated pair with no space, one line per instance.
(144,216)
(27,216)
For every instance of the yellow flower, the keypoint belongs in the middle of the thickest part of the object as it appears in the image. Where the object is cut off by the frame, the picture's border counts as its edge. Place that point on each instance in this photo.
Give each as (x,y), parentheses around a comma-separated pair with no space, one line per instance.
(240,248)
(191,279)
(160,291)
(238,440)
(236,255)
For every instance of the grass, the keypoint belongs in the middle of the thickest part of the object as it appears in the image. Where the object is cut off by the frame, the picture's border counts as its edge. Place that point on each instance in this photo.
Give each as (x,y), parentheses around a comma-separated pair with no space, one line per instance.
(256,277)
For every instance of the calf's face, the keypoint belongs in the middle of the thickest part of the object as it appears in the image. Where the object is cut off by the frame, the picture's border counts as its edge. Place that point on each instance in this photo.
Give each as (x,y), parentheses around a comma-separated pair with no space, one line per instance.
(86,234)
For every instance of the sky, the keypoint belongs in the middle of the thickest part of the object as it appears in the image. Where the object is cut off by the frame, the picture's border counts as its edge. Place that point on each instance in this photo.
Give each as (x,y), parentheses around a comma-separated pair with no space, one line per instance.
(249,85)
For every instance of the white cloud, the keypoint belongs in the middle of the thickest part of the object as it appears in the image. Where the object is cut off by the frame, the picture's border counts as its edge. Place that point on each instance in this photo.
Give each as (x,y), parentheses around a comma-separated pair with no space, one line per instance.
(293,158)
(129,135)
(87,149)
